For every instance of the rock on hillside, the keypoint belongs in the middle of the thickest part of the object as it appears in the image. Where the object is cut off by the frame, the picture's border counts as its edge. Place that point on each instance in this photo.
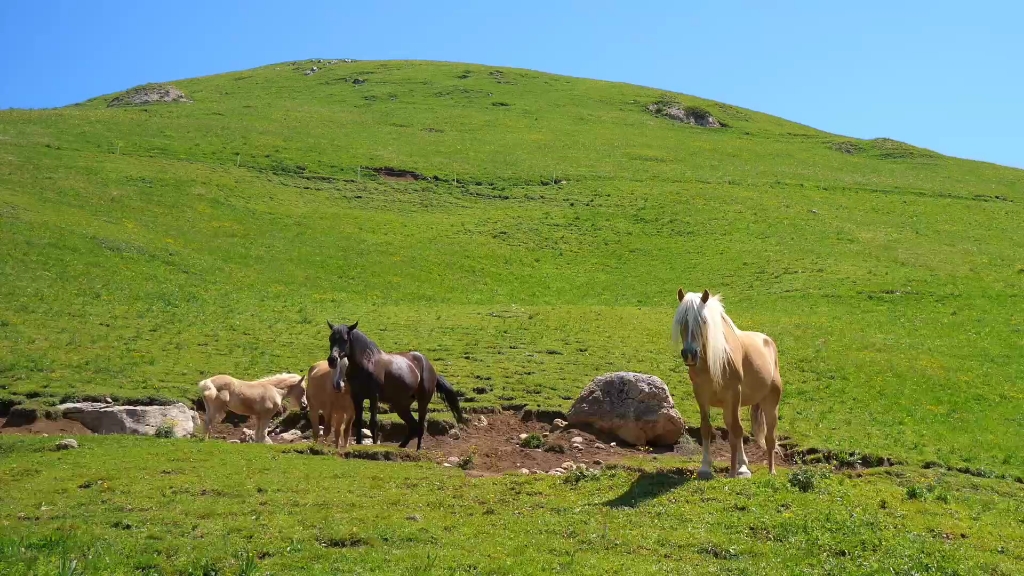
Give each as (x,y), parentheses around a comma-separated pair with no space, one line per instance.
(694,115)
(149,94)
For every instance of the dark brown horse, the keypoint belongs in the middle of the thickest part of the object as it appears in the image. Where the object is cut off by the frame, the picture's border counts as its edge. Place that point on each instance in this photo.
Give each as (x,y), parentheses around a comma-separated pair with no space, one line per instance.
(397,379)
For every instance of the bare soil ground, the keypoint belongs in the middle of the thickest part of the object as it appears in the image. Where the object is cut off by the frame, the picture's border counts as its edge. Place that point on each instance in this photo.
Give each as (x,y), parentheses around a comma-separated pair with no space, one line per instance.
(492,440)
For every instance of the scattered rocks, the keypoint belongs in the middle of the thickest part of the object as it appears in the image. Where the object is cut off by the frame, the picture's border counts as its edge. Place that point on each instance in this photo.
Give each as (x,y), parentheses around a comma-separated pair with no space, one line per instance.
(67,444)
(108,401)
(556,472)
(577,440)
(148,94)
(479,420)
(635,407)
(248,436)
(545,435)
(614,444)
(453,459)
(558,425)
(446,465)
(524,471)
(454,434)
(523,436)
(367,442)
(597,462)
(535,471)
(234,441)
(366,433)
(291,436)
(414,518)
(600,446)
(577,447)
(103,418)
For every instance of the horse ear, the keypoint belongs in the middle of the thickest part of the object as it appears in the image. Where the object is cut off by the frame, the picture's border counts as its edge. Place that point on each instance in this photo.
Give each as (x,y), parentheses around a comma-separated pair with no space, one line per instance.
(704,297)
(680,294)
(353,327)
(331,326)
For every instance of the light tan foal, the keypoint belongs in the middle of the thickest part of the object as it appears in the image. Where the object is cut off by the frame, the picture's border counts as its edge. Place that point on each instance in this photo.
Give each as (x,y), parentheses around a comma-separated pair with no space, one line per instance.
(261,399)
(729,368)
(337,407)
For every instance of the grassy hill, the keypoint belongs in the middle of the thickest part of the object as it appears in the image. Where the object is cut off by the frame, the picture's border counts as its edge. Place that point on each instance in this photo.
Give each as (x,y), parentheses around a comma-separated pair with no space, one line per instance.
(144,248)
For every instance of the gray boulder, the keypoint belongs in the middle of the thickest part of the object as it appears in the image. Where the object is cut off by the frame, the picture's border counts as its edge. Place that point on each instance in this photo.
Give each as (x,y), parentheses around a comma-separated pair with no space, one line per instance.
(141,420)
(635,407)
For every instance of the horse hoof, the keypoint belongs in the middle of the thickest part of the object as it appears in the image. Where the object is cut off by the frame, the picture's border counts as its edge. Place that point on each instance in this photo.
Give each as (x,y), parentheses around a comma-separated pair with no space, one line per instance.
(703,474)
(743,473)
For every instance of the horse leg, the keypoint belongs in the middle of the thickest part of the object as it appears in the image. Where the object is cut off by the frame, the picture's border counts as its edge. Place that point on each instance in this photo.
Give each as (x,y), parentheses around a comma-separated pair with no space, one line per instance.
(261,429)
(337,421)
(422,424)
(358,424)
(705,472)
(374,408)
(771,419)
(738,467)
(211,418)
(410,424)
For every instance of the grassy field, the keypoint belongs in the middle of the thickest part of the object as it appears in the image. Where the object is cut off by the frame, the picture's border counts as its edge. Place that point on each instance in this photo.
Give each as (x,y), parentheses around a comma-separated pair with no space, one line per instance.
(190,507)
(142,249)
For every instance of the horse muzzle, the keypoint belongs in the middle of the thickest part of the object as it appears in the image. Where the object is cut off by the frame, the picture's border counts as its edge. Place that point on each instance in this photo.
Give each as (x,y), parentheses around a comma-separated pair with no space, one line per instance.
(690,356)
(333,360)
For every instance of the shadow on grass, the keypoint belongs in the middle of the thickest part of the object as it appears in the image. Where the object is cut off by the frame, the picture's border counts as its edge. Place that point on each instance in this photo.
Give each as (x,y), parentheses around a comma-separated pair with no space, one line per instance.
(650,485)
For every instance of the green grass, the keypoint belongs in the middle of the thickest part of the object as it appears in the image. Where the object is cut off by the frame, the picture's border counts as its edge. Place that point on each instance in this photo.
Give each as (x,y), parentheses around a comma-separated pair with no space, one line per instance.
(185,505)
(145,248)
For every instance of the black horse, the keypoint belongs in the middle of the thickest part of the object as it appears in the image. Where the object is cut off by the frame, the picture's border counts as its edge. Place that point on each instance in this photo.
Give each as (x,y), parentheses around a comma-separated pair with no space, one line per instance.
(397,379)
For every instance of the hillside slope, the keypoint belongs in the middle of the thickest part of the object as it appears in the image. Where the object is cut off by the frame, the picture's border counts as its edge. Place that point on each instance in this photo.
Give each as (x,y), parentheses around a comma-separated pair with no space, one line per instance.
(143,248)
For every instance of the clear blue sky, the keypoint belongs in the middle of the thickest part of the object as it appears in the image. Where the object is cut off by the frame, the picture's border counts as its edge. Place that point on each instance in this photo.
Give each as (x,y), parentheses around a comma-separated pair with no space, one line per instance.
(944,75)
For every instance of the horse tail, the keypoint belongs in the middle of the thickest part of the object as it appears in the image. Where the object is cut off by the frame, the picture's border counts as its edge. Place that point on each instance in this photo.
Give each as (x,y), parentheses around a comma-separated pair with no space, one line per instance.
(450,398)
(757,425)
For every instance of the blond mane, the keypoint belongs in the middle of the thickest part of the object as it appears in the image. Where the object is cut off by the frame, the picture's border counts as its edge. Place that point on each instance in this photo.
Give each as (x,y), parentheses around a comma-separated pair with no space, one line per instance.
(280,381)
(706,324)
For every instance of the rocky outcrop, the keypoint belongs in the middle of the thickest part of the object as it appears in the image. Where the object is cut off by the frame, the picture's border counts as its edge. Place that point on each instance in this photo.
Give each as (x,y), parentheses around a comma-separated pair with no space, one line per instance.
(141,420)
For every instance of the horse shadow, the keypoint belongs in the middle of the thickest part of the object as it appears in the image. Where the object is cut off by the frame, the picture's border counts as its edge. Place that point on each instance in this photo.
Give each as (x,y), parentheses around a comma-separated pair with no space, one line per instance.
(650,485)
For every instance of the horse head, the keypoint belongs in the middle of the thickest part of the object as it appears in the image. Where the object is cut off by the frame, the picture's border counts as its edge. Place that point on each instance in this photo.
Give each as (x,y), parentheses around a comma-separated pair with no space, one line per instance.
(340,342)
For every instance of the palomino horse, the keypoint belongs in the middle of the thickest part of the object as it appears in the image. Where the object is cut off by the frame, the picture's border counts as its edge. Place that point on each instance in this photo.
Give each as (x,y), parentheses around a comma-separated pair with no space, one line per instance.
(261,399)
(728,368)
(397,379)
(337,407)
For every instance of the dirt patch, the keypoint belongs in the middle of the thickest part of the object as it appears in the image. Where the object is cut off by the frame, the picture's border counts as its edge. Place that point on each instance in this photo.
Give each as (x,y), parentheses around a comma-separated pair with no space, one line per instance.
(149,94)
(41,426)
(686,114)
(395,175)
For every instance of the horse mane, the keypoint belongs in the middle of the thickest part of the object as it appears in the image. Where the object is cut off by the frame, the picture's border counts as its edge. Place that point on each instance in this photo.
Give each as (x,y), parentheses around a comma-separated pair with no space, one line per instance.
(279,381)
(706,323)
(363,349)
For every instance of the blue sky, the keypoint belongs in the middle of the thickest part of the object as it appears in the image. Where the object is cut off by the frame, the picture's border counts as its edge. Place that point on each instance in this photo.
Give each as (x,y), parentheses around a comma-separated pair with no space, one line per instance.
(943,75)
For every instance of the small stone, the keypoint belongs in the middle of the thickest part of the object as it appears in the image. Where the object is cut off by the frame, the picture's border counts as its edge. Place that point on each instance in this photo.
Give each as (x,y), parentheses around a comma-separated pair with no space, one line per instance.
(234,442)
(535,471)
(248,435)
(67,444)
(556,472)
(21,516)
(577,440)
(108,401)
(479,420)
(453,459)
(446,465)
(367,442)
(567,465)
(44,435)
(613,444)
(291,436)
(577,446)
(600,446)
(414,518)
(524,471)
(523,436)
(597,462)
(454,434)
(367,433)
(545,435)
(558,424)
